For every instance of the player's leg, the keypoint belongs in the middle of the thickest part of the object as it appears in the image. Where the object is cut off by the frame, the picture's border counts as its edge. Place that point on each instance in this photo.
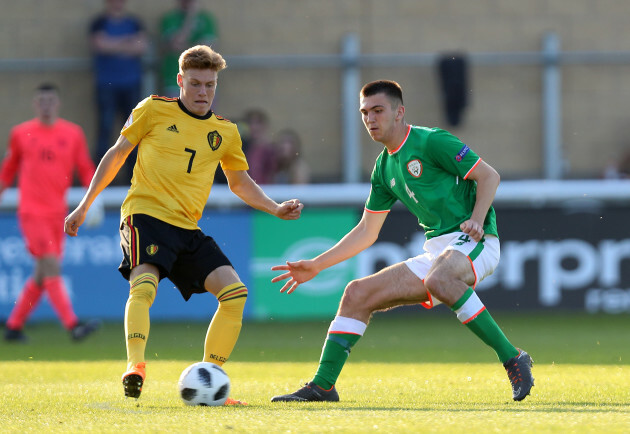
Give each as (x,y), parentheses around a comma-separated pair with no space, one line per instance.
(47,246)
(393,286)
(143,284)
(390,287)
(226,323)
(106,104)
(56,290)
(451,280)
(203,261)
(37,233)
(143,265)
(27,302)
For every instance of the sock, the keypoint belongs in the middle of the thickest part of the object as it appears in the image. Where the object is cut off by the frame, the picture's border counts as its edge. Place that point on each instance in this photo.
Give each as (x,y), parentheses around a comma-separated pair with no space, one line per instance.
(226,324)
(474,315)
(60,301)
(25,304)
(141,295)
(343,333)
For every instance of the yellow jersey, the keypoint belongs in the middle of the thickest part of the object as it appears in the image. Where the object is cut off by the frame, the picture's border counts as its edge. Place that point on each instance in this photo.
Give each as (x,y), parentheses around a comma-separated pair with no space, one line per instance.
(178,154)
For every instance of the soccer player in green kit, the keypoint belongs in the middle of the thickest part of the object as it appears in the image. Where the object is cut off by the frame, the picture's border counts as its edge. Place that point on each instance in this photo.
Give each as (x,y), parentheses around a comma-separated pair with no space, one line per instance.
(450,190)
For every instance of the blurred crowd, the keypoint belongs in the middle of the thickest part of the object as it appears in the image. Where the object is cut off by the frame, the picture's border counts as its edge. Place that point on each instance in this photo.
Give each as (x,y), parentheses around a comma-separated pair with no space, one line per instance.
(119,42)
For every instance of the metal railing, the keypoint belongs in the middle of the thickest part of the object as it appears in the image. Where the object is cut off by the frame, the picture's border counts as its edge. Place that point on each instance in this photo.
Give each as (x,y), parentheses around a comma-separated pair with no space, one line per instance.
(525,194)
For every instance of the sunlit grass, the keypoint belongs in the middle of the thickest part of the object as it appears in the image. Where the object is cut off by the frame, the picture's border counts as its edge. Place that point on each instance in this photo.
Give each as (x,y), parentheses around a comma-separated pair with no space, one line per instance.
(411,373)
(387,397)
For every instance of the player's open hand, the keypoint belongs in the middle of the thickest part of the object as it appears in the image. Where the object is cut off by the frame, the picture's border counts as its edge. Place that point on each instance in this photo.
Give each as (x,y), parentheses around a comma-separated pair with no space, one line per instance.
(473,228)
(73,221)
(296,272)
(290,209)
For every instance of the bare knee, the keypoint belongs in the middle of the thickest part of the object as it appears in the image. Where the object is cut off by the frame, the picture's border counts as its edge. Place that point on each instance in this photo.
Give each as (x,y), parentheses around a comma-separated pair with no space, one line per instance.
(445,287)
(438,285)
(353,297)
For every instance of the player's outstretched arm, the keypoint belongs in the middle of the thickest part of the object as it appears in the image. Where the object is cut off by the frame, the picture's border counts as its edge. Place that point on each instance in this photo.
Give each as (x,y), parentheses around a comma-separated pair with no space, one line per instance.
(242,185)
(106,171)
(296,272)
(362,236)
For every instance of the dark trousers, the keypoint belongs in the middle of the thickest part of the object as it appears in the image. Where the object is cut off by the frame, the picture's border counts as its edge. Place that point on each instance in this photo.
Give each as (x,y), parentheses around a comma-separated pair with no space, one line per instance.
(114,104)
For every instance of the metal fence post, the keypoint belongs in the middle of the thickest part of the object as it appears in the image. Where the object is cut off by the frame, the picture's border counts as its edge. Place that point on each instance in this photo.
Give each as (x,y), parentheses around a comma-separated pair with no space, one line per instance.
(350,87)
(552,108)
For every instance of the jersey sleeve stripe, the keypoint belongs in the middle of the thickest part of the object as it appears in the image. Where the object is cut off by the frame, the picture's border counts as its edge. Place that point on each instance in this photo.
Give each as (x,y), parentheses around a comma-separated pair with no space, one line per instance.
(164,98)
(376,212)
(472,168)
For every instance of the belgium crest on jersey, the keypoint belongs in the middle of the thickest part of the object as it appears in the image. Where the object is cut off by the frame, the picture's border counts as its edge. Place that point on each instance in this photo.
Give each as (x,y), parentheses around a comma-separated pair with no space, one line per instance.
(415,168)
(214,139)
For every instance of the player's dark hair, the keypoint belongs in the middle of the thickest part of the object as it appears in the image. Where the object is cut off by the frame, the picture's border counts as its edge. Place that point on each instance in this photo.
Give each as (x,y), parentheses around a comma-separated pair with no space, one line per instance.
(201,57)
(390,88)
(47,87)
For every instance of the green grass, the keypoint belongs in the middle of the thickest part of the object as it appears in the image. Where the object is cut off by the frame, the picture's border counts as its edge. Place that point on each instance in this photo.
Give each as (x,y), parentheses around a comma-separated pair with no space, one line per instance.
(420,373)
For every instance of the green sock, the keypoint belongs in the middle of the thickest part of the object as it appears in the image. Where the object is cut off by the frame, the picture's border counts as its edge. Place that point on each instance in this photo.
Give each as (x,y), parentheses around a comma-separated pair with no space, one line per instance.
(474,315)
(334,355)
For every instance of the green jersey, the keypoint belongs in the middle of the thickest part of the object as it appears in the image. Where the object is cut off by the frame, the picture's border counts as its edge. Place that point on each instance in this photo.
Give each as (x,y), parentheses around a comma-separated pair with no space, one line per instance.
(204,31)
(428,173)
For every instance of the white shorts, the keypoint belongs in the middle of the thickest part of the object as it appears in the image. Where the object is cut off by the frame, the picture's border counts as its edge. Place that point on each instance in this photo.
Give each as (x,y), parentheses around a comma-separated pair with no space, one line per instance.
(483,256)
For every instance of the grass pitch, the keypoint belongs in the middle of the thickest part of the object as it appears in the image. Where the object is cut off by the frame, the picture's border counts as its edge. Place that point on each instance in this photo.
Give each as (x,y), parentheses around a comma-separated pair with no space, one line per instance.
(421,373)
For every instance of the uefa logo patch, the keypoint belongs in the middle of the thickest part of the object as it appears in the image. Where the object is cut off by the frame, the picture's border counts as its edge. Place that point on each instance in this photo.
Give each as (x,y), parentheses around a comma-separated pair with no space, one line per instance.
(414,167)
(462,153)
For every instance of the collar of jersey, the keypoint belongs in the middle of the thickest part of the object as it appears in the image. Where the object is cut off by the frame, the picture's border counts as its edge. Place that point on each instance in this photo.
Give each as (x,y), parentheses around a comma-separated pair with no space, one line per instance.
(185,110)
(402,143)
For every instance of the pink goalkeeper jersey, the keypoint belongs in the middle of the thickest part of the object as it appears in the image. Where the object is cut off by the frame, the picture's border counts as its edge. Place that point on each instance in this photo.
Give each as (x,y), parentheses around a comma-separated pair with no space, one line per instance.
(45,157)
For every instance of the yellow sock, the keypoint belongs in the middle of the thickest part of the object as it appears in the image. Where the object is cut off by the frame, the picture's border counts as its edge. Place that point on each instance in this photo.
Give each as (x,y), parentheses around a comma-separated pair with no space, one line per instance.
(226,324)
(141,296)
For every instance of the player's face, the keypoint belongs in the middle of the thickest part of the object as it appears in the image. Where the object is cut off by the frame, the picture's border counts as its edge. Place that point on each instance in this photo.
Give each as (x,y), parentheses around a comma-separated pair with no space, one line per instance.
(197,87)
(46,104)
(379,117)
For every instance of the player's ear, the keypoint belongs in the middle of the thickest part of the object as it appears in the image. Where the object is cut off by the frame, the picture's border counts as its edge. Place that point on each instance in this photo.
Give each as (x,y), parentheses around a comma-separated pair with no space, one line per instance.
(180,80)
(400,112)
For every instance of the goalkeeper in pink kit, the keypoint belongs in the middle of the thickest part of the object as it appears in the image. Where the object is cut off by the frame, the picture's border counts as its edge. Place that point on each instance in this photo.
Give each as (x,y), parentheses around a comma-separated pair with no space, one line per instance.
(44,152)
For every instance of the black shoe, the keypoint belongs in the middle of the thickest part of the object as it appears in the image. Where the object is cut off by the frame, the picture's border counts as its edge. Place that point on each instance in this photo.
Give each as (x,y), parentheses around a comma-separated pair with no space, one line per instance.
(133,380)
(84,329)
(310,392)
(519,370)
(13,335)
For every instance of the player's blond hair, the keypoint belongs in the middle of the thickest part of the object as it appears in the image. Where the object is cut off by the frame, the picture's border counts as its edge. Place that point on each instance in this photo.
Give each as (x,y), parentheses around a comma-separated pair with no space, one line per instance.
(201,57)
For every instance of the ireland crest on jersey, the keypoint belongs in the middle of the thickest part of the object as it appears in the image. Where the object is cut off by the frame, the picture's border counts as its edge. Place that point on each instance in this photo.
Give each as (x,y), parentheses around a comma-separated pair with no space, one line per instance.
(415,168)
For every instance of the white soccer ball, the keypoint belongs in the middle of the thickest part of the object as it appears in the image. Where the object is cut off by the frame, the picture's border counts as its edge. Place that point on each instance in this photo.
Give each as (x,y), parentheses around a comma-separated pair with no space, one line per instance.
(204,383)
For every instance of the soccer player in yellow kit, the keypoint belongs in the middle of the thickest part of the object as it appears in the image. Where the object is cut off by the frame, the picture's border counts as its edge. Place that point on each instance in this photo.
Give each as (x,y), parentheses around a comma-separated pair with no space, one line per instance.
(180,143)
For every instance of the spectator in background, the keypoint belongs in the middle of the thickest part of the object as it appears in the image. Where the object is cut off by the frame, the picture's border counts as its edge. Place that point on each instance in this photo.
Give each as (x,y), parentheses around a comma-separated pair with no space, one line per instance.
(618,168)
(290,165)
(258,147)
(118,42)
(184,26)
(45,151)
